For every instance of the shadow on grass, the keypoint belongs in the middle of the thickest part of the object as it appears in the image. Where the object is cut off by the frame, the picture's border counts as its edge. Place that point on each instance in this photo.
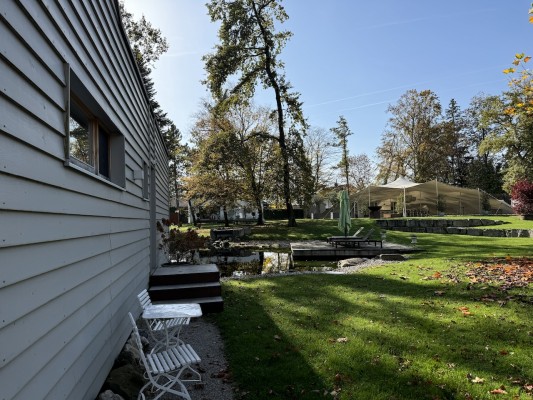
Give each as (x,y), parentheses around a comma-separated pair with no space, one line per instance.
(402,342)
(264,362)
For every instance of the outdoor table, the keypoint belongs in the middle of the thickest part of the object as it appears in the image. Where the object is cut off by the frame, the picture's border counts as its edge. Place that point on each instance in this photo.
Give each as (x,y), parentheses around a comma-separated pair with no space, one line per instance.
(164,312)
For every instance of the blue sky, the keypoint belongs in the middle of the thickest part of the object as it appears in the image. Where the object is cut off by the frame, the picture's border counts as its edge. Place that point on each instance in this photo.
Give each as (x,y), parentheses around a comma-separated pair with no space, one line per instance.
(353,57)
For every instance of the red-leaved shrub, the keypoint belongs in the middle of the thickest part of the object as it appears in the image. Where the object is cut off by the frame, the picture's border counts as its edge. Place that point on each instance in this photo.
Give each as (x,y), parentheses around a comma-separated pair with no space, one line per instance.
(522,197)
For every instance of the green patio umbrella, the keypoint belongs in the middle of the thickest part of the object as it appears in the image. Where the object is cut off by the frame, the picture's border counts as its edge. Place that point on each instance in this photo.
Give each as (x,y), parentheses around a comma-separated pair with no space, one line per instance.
(345,222)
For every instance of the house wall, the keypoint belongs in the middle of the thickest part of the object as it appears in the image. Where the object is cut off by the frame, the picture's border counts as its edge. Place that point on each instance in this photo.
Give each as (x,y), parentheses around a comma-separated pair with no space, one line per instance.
(74,248)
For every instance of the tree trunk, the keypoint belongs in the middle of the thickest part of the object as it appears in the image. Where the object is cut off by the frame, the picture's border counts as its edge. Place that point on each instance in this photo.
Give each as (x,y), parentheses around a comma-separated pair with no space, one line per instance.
(226,219)
(176,192)
(260,215)
(191,213)
(279,106)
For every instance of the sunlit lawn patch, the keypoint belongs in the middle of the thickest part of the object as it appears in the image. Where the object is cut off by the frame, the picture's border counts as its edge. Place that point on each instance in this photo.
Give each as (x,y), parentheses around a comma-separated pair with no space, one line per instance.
(420,329)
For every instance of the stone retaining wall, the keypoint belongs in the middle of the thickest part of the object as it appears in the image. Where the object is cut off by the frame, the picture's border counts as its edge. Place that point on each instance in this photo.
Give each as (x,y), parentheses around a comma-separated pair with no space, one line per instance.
(230,233)
(452,226)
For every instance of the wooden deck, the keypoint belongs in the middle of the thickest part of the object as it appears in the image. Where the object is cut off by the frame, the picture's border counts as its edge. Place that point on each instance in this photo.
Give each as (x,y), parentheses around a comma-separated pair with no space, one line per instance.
(321,250)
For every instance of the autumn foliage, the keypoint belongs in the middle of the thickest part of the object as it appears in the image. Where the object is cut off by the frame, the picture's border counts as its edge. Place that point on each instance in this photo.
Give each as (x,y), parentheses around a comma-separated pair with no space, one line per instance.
(522,196)
(179,245)
(506,273)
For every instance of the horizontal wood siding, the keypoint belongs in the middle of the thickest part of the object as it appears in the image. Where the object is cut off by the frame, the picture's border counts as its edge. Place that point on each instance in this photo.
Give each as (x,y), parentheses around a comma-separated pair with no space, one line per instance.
(74,249)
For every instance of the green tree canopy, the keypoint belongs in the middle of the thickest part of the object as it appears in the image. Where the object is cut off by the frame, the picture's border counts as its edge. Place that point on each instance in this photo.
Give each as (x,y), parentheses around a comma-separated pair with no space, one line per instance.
(342,131)
(511,115)
(249,52)
(415,143)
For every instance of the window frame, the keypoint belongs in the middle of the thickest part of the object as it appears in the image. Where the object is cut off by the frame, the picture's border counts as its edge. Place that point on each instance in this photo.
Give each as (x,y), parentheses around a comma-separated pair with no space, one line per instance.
(111,169)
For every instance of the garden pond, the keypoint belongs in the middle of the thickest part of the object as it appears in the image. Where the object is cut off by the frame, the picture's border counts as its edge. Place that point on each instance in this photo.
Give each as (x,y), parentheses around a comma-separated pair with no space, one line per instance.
(242,262)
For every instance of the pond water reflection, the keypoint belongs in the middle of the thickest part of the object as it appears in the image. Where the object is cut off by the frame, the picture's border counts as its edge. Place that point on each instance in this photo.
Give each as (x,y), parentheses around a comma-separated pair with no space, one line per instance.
(248,262)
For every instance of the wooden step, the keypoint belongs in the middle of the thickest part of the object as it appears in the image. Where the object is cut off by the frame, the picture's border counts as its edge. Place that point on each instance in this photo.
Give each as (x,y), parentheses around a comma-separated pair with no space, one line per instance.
(184,291)
(188,284)
(183,274)
(208,304)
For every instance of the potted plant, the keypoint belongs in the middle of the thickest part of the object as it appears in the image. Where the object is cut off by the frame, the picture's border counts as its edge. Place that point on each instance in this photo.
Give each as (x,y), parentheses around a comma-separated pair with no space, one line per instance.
(180,247)
(522,199)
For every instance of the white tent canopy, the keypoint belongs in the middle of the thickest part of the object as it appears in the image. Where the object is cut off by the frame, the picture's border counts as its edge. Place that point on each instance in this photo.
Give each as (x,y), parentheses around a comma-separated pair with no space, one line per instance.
(421,198)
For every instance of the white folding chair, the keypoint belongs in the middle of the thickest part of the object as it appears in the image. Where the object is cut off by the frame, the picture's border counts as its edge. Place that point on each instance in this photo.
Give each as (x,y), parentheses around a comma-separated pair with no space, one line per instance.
(169,328)
(164,369)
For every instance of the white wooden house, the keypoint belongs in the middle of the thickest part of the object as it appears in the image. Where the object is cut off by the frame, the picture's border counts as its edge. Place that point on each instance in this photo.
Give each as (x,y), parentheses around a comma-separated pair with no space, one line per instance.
(83,176)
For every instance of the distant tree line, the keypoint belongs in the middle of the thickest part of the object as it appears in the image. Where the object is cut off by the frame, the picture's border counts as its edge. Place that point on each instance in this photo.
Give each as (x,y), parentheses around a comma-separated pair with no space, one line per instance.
(244,152)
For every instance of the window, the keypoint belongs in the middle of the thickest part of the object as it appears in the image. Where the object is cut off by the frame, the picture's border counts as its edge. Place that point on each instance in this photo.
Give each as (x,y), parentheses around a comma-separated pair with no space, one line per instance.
(94,145)
(80,140)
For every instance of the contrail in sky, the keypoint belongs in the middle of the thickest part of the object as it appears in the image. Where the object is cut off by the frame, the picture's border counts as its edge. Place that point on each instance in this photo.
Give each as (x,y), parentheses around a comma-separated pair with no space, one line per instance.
(398,87)
(392,100)
(432,18)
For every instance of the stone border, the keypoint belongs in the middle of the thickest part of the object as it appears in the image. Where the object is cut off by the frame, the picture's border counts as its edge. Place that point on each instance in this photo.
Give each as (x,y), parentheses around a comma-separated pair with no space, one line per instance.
(452,226)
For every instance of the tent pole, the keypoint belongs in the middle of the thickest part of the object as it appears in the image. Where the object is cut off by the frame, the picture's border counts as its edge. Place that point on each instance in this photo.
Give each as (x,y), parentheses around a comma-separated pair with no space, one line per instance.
(479,200)
(404,206)
(437,189)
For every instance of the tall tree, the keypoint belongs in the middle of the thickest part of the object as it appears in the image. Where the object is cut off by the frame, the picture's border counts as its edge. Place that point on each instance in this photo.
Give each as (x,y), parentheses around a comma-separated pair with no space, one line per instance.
(414,141)
(320,150)
(454,140)
(484,167)
(147,44)
(213,180)
(512,116)
(249,51)
(512,113)
(178,162)
(342,131)
(252,151)
(361,171)
(246,153)
(391,157)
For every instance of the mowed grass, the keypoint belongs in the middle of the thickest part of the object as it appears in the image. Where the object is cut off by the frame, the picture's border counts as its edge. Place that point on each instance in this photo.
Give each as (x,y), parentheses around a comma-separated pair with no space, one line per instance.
(419,329)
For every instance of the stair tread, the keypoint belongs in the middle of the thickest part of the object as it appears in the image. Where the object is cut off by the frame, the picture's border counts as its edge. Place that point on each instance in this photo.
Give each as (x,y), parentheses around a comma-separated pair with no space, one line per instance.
(184,286)
(186,270)
(199,300)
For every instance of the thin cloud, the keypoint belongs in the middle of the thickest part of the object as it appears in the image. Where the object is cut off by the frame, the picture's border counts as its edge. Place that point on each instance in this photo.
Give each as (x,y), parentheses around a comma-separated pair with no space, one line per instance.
(410,85)
(422,19)
(393,100)
(367,105)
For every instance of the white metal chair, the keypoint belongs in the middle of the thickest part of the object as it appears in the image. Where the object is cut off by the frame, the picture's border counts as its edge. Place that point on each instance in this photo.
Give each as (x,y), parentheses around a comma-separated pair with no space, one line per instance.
(163,369)
(168,329)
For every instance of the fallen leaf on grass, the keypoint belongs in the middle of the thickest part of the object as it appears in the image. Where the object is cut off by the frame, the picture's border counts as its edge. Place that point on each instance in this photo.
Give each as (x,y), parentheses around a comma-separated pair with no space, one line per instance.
(477,379)
(507,273)
(498,391)
(465,311)
(439,292)
(436,275)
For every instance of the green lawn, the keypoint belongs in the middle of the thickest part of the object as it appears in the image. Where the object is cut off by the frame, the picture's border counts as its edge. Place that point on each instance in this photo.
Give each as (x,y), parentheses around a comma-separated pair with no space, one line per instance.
(421,329)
